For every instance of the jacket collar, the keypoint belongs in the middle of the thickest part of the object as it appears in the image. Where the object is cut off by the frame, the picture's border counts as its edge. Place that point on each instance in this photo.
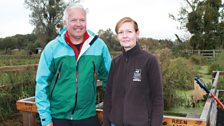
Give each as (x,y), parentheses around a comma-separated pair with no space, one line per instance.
(86,44)
(132,52)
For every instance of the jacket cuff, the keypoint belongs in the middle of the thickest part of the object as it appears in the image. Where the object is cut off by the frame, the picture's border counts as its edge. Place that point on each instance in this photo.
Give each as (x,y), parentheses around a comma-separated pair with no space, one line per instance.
(46,120)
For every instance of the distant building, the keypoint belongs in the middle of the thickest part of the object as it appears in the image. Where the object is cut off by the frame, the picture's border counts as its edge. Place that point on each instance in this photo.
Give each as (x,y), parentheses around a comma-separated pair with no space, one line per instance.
(38,50)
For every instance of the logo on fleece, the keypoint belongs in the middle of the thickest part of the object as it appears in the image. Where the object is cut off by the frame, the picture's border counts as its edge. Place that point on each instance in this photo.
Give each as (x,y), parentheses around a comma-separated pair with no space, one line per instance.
(137,75)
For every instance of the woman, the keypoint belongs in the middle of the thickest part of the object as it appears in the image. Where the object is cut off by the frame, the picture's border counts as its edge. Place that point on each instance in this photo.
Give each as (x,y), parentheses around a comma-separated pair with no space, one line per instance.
(134,91)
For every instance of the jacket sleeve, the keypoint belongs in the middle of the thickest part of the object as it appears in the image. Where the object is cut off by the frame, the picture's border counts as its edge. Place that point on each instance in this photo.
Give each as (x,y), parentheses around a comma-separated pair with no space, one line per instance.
(155,79)
(107,101)
(41,99)
(105,66)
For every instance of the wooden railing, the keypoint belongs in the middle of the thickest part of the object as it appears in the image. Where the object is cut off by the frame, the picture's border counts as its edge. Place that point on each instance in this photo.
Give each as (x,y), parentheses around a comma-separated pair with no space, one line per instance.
(205,53)
(16,68)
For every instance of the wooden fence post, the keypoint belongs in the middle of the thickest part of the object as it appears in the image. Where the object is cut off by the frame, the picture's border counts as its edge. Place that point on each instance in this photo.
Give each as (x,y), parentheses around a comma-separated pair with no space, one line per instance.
(29,118)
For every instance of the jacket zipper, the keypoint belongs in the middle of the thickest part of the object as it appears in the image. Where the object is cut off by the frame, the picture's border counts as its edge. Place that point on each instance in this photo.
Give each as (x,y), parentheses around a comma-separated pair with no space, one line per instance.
(76,93)
(95,76)
(126,69)
(58,76)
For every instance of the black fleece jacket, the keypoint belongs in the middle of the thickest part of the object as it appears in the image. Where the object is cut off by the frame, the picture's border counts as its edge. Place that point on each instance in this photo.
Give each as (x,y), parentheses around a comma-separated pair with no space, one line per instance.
(134,93)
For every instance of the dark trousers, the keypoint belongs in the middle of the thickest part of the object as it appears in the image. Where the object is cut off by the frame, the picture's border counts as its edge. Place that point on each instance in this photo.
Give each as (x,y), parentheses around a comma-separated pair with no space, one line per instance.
(92,121)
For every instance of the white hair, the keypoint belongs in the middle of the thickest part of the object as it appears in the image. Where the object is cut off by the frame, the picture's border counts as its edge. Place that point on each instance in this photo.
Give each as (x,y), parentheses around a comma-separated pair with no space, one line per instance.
(73,5)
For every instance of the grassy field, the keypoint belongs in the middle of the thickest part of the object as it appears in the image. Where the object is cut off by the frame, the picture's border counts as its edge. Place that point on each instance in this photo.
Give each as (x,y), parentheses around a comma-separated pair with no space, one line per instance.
(12,60)
(15,86)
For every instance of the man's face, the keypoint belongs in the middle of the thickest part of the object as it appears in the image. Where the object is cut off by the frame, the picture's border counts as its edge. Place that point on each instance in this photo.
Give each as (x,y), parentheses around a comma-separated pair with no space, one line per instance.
(76,24)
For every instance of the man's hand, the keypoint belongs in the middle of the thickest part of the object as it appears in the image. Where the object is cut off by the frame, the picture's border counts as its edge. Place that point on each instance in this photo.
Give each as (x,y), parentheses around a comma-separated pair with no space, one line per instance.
(50,124)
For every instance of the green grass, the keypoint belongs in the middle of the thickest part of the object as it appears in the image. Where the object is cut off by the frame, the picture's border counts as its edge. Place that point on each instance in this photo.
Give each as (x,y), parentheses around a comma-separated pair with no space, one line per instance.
(18,84)
(203,72)
(11,60)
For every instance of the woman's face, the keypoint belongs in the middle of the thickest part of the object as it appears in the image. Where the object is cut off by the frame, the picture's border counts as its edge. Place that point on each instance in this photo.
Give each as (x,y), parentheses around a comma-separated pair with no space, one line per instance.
(127,36)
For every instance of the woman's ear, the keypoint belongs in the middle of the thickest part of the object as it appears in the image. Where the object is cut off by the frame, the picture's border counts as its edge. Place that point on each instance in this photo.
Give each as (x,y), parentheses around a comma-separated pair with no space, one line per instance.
(138,33)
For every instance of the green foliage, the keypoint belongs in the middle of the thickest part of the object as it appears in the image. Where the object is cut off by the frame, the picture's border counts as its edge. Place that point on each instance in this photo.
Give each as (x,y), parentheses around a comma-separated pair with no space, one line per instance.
(221,83)
(18,85)
(15,85)
(10,60)
(152,45)
(180,48)
(181,72)
(45,15)
(202,20)
(164,56)
(19,42)
(217,64)
(110,39)
(177,74)
(198,60)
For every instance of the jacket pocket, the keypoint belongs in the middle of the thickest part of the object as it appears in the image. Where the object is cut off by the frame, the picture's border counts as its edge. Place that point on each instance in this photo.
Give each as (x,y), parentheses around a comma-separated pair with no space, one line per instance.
(56,80)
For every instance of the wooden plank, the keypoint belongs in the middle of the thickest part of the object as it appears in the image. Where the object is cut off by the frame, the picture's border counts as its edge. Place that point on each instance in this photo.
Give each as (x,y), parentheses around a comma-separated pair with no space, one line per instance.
(29,110)
(213,112)
(29,119)
(99,113)
(169,120)
(182,121)
(205,115)
(27,105)
(215,83)
(19,68)
(221,73)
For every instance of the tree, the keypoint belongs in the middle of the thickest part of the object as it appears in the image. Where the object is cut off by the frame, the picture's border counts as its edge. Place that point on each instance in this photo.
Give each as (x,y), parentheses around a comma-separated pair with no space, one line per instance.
(45,15)
(17,42)
(110,39)
(204,20)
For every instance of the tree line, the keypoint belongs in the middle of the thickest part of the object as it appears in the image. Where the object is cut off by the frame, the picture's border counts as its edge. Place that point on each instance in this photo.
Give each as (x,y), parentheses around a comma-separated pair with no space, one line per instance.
(203,19)
(30,42)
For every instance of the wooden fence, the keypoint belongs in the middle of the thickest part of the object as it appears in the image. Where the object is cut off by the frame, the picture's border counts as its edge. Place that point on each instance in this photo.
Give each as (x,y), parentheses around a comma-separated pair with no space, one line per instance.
(207,118)
(208,54)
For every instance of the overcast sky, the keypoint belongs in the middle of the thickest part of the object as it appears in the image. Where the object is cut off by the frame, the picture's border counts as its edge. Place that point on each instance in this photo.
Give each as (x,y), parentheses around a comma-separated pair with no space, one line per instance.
(151,15)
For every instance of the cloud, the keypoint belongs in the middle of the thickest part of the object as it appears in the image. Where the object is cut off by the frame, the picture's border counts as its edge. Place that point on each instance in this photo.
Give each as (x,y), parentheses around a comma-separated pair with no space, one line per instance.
(151,15)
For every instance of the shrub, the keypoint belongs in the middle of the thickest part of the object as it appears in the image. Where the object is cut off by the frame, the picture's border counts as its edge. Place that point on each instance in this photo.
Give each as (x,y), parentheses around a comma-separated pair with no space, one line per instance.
(180,70)
(217,64)
(198,60)
(177,74)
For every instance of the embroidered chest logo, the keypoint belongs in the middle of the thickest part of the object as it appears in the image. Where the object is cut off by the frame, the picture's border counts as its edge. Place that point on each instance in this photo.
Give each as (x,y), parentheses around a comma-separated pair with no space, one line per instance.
(137,75)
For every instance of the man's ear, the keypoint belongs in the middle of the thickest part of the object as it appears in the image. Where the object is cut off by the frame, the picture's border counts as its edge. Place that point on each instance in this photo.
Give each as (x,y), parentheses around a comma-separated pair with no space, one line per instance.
(65,23)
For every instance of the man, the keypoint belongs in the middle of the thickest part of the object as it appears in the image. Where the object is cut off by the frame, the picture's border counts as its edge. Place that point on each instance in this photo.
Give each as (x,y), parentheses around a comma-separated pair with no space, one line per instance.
(66,75)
